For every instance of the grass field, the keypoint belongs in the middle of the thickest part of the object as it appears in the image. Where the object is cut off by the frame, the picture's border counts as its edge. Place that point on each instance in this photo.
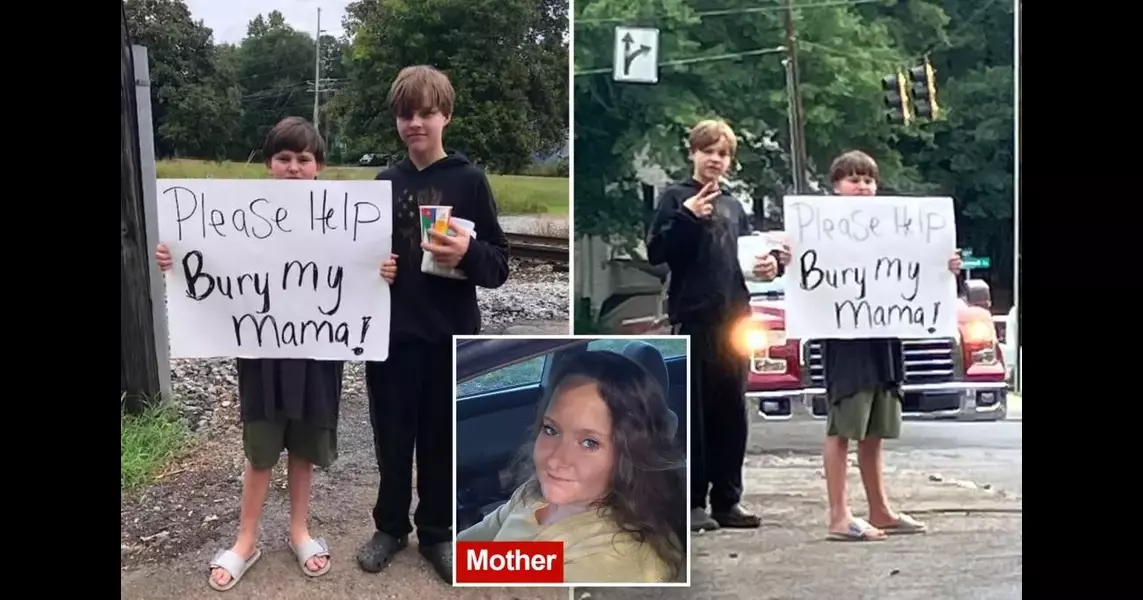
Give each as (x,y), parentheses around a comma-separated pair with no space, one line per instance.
(147,443)
(515,194)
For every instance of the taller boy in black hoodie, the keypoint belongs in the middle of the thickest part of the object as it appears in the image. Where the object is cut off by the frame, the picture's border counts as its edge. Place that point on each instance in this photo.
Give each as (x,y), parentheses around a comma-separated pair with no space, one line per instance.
(696,232)
(410,394)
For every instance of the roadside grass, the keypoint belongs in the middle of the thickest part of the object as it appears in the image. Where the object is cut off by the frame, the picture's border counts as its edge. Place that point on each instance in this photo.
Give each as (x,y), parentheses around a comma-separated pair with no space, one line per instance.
(515,194)
(148,442)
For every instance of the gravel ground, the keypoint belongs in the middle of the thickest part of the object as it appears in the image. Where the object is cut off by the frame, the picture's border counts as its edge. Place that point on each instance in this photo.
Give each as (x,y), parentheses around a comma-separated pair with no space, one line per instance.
(192,510)
(535,224)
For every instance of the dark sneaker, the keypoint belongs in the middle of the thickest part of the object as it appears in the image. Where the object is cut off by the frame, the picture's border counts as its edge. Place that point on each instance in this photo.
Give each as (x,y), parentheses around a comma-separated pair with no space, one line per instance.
(440,557)
(700,521)
(736,518)
(379,550)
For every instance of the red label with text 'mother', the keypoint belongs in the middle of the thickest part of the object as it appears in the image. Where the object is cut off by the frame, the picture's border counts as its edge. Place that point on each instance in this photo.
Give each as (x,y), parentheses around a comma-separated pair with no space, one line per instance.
(510,562)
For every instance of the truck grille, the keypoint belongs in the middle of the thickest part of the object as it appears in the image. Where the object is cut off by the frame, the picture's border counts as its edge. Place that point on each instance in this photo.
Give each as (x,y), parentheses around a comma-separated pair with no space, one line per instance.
(926,361)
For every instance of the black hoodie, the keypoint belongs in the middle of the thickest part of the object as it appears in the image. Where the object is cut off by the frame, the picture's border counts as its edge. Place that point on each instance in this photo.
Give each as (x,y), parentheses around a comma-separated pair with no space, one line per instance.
(427,307)
(707,286)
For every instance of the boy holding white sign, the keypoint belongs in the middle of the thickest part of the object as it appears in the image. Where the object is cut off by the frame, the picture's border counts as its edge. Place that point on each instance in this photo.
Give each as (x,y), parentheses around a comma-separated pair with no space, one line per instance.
(442,203)
(286,404)
(863,380)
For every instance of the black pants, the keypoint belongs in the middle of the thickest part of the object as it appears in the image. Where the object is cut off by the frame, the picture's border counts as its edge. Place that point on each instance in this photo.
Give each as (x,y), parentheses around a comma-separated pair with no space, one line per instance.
(410,405)
(718,420)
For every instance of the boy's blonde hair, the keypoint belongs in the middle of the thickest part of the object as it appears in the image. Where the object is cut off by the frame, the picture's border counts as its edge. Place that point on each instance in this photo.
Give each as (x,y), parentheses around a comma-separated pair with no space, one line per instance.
(418,88)
(853,162)
(709,132)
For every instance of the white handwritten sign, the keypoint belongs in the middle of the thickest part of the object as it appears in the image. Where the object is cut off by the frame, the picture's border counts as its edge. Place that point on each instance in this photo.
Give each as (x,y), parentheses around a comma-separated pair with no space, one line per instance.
(277,268)
(870,267)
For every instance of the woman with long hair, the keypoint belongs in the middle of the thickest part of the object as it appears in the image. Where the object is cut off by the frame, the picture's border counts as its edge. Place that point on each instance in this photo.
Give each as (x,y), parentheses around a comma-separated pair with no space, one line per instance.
(603,474)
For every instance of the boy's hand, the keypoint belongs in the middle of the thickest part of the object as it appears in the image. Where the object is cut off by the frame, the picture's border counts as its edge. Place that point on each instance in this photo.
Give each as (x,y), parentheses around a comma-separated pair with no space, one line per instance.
(765,267)
(955,262)
(785,254)
(163,257)
(447,250)
(702,203)
(389,269)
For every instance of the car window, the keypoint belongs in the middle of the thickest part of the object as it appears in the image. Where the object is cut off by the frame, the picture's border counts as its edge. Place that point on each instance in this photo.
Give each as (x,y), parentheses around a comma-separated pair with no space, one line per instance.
(669,347)
(528,372)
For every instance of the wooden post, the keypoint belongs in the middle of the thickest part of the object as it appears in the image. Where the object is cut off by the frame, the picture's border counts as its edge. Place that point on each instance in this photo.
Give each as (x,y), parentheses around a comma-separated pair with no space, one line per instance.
(138,367)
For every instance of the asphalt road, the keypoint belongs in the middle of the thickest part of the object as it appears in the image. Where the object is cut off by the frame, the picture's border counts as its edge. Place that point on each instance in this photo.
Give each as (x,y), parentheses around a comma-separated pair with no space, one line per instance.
(964,479)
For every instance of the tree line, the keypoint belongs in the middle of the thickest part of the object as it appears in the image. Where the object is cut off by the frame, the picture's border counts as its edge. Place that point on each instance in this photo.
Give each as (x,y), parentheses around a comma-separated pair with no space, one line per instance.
(845,49)
(507,59)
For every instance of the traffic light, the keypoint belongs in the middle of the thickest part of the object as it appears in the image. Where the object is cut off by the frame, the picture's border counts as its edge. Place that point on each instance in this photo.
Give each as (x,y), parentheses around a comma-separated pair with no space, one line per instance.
(925,91)
(897,99)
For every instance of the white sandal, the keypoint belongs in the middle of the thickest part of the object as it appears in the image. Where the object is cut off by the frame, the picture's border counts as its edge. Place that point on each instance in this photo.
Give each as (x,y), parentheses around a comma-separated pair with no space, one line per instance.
(313,549)
(233,564)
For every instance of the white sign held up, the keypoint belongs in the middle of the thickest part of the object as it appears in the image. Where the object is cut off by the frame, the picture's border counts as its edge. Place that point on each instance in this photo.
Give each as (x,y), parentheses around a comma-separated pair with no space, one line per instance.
(277,268)
(870,267)
(636,57)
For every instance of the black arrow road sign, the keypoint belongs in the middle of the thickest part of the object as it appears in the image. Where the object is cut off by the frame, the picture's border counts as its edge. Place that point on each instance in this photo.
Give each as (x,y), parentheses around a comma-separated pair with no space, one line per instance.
(628,55)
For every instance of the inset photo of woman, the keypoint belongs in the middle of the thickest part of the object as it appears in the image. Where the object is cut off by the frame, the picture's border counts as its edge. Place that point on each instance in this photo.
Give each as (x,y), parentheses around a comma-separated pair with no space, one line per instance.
(577,441)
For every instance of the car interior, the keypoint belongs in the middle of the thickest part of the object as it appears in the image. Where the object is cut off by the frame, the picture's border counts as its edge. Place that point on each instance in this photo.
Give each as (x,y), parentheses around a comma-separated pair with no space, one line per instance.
(500,383)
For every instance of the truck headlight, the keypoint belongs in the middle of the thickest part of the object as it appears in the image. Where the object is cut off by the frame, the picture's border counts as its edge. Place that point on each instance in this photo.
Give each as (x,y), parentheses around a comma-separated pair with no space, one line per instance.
(756,339)
(976,333)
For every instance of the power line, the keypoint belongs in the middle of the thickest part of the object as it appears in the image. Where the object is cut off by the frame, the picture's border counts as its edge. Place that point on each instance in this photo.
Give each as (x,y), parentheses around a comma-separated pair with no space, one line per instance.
(695,60)
(735,11)
(273,93)
(960,26)
(850,54)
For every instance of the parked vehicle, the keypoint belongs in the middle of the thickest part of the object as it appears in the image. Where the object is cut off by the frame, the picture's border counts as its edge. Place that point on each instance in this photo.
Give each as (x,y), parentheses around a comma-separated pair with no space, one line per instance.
(949,378)
(374,160)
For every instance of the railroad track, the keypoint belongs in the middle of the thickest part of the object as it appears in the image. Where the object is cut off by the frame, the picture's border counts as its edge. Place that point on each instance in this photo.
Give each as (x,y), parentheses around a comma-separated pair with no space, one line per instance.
(539,247)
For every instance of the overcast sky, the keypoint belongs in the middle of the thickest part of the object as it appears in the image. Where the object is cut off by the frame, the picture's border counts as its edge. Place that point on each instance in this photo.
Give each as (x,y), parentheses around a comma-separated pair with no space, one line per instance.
(228,18)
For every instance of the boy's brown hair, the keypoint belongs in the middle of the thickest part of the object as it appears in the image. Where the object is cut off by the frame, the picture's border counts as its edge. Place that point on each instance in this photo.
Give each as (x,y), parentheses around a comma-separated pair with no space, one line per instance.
(709,132)
(418,88)
(853,162)
(294,134)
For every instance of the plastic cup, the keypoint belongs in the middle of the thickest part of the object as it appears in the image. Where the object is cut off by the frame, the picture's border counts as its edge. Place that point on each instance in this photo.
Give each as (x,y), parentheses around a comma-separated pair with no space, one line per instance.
(434,218)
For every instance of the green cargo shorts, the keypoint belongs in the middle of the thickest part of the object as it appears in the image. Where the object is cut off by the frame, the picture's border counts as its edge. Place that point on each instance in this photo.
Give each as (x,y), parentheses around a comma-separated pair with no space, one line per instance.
(263,442)
(870,413)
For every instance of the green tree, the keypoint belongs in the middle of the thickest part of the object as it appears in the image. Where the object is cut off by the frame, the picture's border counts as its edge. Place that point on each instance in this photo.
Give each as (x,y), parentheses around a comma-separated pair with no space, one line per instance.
(507,60)
(192,102)
(842,61)
(972,154)
(275,64)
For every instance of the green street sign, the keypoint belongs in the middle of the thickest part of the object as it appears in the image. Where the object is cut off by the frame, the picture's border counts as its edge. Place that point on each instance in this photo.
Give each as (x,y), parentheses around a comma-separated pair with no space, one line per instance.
(976,262)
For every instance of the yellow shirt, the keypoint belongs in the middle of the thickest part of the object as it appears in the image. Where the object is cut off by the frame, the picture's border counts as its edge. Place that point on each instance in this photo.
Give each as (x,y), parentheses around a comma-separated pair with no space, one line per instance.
(595,550)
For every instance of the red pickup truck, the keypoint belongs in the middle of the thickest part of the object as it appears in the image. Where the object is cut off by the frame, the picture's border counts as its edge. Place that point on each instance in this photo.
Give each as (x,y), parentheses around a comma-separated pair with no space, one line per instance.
(951,378)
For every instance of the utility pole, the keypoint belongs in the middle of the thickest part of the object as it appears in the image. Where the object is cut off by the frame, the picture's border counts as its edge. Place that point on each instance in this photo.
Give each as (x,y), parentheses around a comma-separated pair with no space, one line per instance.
(797,118)
(317,69)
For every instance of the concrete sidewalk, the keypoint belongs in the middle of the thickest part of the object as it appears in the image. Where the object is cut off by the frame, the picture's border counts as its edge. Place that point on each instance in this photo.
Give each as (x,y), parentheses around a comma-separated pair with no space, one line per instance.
(973,549)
